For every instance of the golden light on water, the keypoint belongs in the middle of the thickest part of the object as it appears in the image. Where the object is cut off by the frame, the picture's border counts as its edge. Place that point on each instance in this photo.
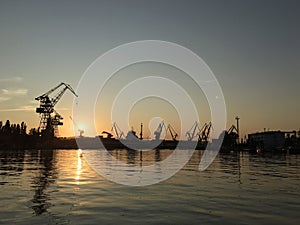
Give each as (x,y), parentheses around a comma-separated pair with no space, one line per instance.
(79,166)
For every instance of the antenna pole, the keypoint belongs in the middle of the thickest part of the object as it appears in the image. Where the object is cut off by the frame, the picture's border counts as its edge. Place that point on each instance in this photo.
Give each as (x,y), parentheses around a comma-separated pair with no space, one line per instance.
(141,134)
(238,128)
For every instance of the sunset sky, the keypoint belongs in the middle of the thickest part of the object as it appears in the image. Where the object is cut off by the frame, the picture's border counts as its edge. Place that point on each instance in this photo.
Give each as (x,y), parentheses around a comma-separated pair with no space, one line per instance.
(252,47)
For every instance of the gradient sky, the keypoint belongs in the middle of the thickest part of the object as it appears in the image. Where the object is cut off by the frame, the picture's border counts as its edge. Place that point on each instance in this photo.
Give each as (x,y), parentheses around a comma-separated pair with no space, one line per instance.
(253,48)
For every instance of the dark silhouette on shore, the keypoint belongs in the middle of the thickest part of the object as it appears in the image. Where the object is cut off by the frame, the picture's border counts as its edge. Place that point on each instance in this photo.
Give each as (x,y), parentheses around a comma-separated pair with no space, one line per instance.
(15,137)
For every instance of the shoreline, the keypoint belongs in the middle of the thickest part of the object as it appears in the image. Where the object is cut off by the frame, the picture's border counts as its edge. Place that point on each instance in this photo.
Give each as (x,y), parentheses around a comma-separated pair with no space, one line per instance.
(98,142)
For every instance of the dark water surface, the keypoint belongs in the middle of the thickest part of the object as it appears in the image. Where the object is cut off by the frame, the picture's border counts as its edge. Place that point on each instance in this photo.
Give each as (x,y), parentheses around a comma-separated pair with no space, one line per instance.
(59,187)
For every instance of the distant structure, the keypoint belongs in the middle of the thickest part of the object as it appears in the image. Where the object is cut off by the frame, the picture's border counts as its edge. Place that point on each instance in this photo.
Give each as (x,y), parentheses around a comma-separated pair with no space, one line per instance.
(202,133)
(131,135)
(50,119)
(159,130)
(272,140)
(267,140)
(141,133)
(81,131)
(238,128)
(119,134)
(169,128)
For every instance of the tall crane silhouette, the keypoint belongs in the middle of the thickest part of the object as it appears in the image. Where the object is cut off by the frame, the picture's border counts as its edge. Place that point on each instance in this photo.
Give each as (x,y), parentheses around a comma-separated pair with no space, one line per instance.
(193,132)
(50,119)
(117,130)
(172,132)
(158,131)
(202,133)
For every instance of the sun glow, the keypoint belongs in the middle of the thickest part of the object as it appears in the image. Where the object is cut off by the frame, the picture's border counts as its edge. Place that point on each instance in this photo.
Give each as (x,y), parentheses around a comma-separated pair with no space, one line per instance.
(81,127)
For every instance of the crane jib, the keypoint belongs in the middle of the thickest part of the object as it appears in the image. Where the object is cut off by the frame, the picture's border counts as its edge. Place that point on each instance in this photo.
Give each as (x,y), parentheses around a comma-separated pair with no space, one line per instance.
(49,123)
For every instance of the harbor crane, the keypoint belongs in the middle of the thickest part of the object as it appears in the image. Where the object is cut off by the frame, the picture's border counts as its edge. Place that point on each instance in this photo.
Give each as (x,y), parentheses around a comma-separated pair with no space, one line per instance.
(117,130)
(50,119)
(202,133)
(232,130)
(158,131)
(172,132)
(205,132)
(193,132)
(231,136)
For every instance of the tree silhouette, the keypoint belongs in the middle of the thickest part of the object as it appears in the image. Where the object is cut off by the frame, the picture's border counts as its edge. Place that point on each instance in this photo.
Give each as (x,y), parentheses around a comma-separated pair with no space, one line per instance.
(13,129)
(7,128)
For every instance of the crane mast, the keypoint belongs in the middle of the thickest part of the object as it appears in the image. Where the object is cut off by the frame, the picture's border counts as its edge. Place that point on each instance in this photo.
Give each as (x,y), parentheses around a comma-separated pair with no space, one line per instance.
(49,123)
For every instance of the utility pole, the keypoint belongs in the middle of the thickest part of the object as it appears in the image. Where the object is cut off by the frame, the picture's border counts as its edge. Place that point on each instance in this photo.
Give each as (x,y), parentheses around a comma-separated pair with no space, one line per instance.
(238,128)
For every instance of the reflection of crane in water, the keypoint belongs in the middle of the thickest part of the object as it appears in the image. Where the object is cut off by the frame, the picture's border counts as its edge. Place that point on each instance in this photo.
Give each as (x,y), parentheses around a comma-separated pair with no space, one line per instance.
(49,123)
(81,131)
(45,176)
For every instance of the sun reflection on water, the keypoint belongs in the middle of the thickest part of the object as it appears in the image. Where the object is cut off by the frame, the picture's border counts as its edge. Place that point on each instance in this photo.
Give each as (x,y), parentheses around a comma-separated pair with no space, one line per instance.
(79,165)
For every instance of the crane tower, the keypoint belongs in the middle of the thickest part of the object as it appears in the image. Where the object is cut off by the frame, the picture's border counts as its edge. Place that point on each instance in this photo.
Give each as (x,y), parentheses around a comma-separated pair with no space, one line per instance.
(50,119)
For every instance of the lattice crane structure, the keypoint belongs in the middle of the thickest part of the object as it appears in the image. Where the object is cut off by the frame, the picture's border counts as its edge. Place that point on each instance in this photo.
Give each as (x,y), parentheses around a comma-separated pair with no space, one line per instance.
(50,119)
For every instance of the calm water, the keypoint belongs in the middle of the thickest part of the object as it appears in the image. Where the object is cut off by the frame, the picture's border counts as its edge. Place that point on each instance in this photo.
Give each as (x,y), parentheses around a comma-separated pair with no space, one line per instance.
(58,187)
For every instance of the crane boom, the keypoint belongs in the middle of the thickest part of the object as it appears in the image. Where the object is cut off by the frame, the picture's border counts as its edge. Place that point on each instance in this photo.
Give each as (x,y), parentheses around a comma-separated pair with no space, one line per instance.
(205,132)
(232,129)
(159,129)
(191,133)
(45,96)
(172,132)
(169,128)
(48,92)
(60,94)
(118,131)
(49,123)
